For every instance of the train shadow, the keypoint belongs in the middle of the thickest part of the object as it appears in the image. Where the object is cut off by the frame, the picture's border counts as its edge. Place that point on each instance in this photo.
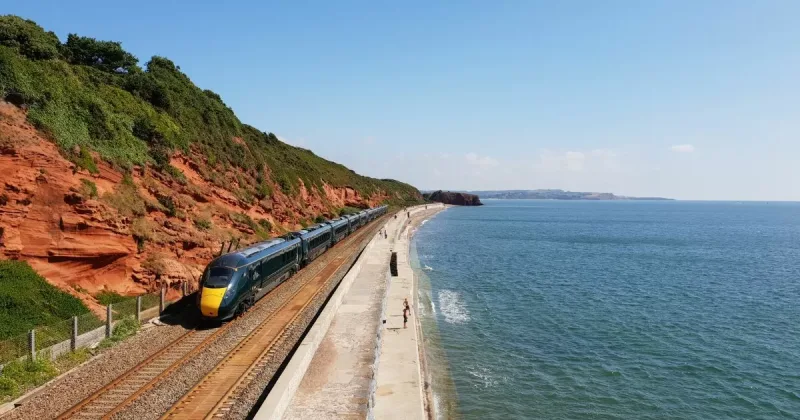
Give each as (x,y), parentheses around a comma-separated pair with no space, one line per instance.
(182,312)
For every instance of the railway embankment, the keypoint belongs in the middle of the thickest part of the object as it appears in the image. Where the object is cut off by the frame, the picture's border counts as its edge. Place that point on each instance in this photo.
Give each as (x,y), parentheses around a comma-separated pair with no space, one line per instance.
(357,356)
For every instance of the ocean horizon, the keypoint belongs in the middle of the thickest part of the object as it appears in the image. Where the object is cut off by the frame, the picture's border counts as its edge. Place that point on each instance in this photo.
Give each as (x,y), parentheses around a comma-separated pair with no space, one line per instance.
(612,309)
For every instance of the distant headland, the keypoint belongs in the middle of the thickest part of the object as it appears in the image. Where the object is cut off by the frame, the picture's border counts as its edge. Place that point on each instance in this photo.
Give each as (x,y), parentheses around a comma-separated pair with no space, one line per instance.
(555,195)
(454,198)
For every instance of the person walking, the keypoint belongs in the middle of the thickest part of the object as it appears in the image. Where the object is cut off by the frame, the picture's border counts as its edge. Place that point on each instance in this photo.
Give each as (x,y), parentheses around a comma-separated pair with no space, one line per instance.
(406,312)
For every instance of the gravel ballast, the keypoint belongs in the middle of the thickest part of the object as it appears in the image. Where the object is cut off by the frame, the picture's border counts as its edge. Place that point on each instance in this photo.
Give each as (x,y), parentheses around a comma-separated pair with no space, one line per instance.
(152,404)
(63,393)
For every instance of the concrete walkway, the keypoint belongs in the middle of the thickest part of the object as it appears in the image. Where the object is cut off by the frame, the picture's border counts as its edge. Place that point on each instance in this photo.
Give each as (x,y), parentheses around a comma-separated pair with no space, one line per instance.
(339,380)
(342,369)
(399,380)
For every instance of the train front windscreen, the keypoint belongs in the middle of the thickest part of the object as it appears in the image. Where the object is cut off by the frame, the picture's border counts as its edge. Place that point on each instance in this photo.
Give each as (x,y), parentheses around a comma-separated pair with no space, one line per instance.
(217,277)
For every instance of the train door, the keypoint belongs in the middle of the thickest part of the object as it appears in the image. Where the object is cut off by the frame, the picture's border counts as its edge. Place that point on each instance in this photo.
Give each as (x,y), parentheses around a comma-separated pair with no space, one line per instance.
(253,278)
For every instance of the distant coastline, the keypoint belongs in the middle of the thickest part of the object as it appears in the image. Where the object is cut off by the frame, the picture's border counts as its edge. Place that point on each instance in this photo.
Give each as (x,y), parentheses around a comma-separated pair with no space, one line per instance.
(557,195)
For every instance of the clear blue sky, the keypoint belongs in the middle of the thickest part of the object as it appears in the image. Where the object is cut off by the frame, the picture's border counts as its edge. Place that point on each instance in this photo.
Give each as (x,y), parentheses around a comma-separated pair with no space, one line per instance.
(686,99)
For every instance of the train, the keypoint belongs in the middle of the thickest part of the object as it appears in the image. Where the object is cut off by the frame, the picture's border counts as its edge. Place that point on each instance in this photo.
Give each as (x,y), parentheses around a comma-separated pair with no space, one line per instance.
(235,281)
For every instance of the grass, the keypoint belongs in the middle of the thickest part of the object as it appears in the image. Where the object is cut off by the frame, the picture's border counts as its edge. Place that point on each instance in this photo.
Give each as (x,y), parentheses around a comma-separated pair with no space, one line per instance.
(20,375)
(344,211)
(88,188)
(125,328)
(108,297)
(126,199)
(27,301)
(141,116)
(202,223)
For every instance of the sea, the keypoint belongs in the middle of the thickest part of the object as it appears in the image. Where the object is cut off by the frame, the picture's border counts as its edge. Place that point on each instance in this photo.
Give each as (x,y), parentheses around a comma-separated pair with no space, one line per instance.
(612,309)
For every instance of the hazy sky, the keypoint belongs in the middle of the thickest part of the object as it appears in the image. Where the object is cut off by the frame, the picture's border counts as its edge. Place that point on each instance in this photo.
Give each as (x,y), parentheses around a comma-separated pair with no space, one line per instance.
(685,99)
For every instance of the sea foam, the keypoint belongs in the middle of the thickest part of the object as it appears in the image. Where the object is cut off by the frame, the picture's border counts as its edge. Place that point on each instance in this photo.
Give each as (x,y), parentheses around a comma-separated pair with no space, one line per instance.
(453,308)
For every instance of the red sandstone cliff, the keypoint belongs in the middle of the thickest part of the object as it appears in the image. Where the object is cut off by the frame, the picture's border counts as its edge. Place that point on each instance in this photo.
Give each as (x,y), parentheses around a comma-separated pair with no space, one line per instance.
(83,243)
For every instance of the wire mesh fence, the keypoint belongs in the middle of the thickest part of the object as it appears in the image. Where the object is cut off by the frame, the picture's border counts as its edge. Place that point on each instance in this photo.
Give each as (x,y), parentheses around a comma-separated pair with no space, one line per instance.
(14,348)
(124,309)
(55,333)
(88,322)
(46,336)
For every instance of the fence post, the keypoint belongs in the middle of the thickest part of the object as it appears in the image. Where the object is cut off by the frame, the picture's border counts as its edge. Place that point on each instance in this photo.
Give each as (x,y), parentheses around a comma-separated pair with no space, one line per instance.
(161,301)
(108,321)
(222,248)
(32,343)
(73,344)
(230,244)
(138,309)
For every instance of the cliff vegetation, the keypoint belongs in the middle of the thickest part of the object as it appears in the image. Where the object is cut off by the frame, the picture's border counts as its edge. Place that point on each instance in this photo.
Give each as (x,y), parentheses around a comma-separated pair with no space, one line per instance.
(121,178)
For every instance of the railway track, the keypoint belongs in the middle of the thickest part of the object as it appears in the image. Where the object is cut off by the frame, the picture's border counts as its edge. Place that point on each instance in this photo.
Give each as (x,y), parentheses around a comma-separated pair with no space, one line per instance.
(116,395)
(139,379)
(215,394)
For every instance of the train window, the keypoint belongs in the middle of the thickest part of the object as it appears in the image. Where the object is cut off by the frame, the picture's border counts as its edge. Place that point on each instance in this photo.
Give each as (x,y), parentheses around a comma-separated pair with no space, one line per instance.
(218,277)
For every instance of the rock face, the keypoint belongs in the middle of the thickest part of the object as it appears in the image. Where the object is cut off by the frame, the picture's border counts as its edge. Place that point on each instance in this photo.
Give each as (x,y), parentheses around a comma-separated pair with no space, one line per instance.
(131,234)
(455,198)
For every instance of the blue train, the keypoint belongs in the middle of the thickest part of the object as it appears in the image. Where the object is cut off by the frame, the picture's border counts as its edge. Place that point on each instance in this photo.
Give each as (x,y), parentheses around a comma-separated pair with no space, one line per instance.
(233,282)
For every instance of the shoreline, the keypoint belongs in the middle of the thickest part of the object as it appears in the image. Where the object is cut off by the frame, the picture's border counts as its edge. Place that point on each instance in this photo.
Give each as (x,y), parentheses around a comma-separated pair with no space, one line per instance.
(426,374)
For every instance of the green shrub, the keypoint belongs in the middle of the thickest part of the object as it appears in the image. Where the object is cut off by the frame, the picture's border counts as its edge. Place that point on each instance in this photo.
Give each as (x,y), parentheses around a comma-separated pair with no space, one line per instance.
(84,160)
(263,191)
(176,174)
(320,219)
(28,38)
(344,211)
(126,198)
(244,219)
(28,301)
(8,387)
(88,188)
(202,223)
(169,205)
(105,55)
(265,225)
(29,373)
(125,328)
(92,94)
(108,297)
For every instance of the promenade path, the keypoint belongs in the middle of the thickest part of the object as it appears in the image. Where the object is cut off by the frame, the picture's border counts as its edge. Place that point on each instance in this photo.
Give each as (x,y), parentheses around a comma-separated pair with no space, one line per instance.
(341,379)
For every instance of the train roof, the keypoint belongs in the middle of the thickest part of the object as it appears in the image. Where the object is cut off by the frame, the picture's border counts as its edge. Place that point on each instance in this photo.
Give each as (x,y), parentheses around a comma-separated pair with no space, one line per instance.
(313,231)
(253,252)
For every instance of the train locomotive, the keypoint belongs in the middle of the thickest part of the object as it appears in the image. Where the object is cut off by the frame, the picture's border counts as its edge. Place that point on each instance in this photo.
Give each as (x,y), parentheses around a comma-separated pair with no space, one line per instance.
(233,282)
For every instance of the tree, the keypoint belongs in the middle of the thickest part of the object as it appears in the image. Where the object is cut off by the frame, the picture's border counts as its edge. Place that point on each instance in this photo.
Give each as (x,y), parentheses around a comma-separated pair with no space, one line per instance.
(106,55)
(28,38)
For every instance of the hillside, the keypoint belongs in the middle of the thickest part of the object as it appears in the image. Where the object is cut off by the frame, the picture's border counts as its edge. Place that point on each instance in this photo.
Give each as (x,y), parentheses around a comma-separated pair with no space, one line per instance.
(119,177)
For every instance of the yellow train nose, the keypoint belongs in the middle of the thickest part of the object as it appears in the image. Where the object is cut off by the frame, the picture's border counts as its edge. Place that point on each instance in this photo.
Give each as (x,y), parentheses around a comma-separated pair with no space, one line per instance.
(210,299)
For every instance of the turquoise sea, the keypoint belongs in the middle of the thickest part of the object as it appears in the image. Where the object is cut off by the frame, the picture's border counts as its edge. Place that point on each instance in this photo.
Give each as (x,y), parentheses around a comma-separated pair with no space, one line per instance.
(613,310)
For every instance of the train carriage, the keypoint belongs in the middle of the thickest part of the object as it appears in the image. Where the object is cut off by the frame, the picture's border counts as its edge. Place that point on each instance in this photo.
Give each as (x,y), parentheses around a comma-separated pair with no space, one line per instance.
(233,282)
(352,223)
(315,240)
(340,227)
